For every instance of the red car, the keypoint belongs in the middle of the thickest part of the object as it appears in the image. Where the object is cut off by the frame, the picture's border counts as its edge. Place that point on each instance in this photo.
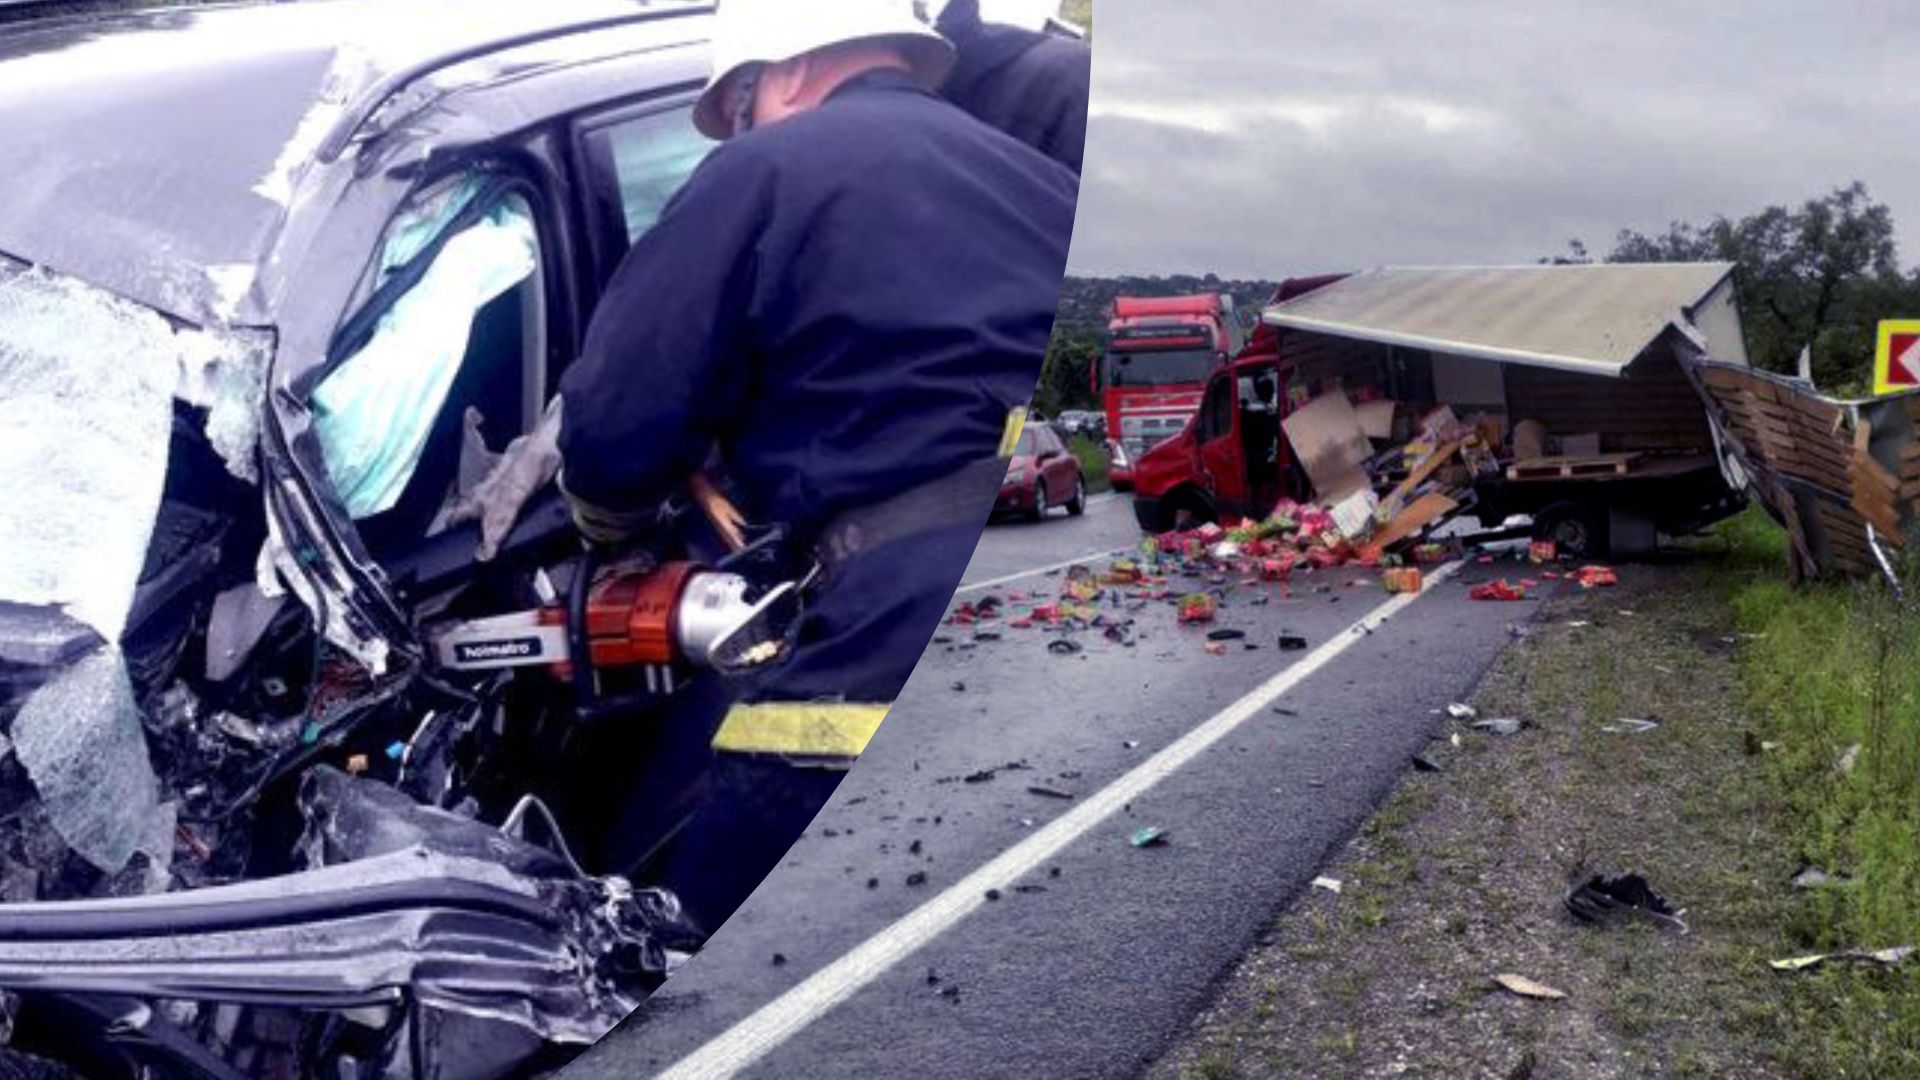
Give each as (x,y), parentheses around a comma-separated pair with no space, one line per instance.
(1042,475)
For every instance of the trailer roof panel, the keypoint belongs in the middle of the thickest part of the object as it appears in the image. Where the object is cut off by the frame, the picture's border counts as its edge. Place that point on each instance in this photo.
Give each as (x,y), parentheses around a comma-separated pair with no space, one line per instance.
(1592,318)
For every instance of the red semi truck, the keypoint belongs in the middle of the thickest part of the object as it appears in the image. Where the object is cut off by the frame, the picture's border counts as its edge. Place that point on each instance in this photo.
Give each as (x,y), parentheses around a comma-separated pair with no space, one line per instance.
(1160,350)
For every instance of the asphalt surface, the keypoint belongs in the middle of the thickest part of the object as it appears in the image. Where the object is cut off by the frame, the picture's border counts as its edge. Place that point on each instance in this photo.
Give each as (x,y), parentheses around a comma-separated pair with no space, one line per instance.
(1091,962)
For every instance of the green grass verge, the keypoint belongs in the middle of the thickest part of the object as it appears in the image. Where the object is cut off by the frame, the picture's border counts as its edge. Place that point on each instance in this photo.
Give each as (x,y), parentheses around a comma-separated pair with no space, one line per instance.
(1825,669)
(1093,462)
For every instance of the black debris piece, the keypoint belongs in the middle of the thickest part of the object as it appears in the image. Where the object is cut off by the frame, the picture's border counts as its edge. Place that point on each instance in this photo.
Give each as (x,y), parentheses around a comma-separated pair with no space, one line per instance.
(1051,793)
(1226,633)
(980,777)
(1293,642)
(913,848)
(917,878)
(779,959)
(993,894)
(1063,647)
(959,687)
(873,883)
(1423,763)
(1029,888)
(1603,898)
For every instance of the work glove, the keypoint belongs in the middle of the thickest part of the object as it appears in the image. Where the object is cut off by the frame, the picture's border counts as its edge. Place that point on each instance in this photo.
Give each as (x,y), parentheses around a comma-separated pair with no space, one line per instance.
(528,464)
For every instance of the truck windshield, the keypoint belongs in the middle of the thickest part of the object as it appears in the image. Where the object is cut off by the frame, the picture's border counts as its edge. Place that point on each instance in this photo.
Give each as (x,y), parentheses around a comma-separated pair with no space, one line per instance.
(1157,368)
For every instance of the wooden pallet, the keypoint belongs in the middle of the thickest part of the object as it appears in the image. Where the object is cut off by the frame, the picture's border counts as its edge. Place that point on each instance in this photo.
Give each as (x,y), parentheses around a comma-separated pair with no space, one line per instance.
(1559,468)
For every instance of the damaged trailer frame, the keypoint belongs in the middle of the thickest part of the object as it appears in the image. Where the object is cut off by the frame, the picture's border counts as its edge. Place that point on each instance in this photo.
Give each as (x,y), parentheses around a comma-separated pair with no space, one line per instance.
(283,153)
(1841,476)
(1593,355)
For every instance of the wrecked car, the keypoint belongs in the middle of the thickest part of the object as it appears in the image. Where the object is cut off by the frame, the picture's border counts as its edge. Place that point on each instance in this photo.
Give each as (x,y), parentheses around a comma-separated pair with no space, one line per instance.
(291,781)
(1401,398)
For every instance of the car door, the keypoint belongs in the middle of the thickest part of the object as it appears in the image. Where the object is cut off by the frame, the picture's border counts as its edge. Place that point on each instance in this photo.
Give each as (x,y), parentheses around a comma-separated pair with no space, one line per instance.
(1221,469)
(1056,465)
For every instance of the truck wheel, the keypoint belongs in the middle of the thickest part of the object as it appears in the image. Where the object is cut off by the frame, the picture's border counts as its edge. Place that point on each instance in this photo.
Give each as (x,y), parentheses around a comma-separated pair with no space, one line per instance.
(1576,529)
(1185,508)
(1039,511)
(1078,504)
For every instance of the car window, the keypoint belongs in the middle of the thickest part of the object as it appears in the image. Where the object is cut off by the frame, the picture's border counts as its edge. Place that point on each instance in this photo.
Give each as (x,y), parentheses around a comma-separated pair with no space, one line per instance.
(635,163)
(1024,445)
(1216,412)
(441,369)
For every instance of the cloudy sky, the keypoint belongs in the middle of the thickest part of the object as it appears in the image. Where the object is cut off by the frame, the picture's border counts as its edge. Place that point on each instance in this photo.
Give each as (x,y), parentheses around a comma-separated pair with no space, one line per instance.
(1261,139)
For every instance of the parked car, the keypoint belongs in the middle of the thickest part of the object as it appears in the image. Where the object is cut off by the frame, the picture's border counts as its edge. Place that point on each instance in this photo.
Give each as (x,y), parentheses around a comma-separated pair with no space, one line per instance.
(226,555)
(1043,474)
(1082,423)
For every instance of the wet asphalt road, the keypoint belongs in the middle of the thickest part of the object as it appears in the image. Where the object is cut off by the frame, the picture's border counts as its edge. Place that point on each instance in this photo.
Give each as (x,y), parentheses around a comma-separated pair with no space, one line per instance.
(1091,963)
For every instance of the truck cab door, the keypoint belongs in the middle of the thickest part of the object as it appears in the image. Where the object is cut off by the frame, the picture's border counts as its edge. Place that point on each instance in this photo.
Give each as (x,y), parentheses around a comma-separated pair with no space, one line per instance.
(1221,470)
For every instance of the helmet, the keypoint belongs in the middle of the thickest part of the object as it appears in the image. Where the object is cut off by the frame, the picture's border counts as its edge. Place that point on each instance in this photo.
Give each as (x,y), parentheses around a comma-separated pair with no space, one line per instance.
(749,32)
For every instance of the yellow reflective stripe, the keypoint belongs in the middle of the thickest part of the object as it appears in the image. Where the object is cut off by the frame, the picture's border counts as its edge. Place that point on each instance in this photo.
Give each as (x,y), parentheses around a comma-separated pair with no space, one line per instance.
(799,728)
(1010,436)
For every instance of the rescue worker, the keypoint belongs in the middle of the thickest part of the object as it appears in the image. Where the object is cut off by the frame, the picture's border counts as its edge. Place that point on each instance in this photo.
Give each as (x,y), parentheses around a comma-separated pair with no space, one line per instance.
(850,299)
(1029,84)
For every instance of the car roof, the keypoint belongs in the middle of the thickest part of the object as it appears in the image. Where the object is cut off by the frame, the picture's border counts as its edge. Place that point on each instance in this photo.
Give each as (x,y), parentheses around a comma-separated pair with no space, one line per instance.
(158,153)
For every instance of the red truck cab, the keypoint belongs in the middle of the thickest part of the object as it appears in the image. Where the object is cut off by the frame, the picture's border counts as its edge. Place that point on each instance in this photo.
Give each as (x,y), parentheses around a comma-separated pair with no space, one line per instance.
(1159,353)
(1228,457)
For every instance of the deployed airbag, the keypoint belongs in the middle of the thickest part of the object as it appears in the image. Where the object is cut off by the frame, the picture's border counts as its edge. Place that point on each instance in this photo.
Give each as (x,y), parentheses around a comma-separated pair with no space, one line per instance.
(374,412)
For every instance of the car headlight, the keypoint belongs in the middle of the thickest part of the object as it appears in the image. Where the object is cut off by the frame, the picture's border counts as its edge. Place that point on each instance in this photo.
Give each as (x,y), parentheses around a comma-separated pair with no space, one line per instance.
(1015,476)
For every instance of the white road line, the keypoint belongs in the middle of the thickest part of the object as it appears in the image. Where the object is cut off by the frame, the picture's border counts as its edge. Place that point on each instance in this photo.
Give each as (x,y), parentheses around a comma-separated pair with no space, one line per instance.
(1038,570)
(780,1019)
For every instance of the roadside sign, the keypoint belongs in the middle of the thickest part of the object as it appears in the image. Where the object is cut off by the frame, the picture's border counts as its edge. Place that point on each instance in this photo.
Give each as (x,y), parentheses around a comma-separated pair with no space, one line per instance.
(1896,356)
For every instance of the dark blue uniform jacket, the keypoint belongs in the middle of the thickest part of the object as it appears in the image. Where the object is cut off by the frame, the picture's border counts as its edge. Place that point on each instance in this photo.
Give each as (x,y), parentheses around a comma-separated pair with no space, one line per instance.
(1030,85)
(847,302)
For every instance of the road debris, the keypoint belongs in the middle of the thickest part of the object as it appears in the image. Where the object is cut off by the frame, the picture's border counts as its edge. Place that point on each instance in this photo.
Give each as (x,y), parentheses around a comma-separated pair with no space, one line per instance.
(1525,987)
(1848,759)
(1499,589)
(1423,763)
(1462,711)
(1811,877)
(1886,957)
(1628,725)
(1148,836)
(1401,579)
(1603,898)
(1593,577)
(1063,647)
(1049,792)
(1292,643)
(1198,607)
(1502,725)
(1332,885)
(1225,634)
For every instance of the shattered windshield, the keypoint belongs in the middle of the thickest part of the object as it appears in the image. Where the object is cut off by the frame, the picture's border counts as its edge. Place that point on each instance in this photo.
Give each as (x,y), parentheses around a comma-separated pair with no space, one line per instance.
(87,383)
(88,390)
